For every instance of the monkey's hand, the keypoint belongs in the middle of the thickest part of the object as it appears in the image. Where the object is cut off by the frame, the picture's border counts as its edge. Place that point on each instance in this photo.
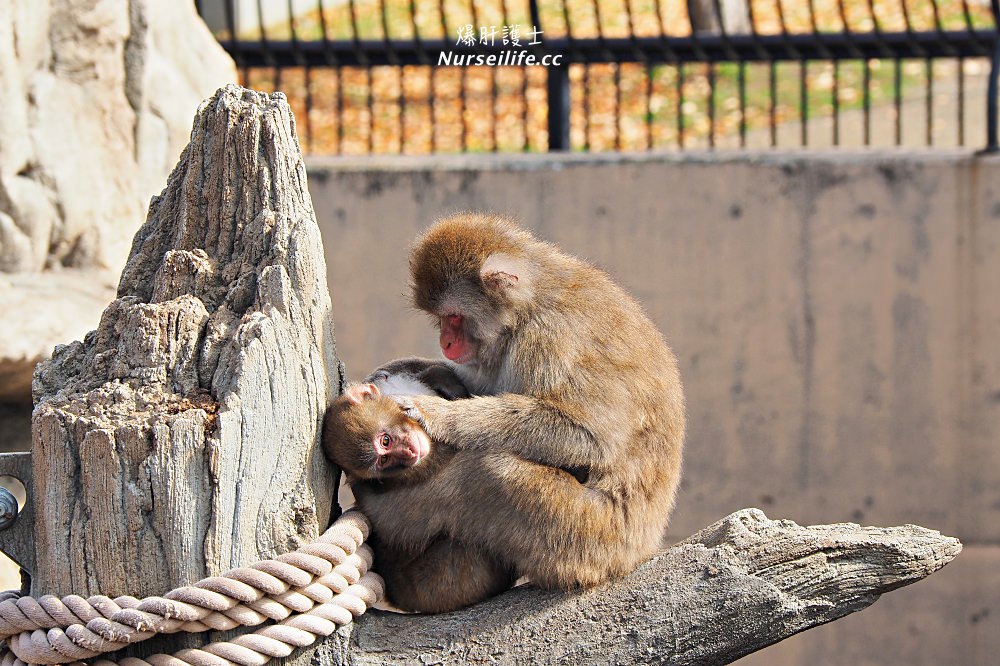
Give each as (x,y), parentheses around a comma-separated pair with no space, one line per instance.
(430,412)
(409,406)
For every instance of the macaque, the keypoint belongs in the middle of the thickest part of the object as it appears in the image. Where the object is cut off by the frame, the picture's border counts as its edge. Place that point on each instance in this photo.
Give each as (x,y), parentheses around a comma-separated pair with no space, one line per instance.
(567,456)
(381,450)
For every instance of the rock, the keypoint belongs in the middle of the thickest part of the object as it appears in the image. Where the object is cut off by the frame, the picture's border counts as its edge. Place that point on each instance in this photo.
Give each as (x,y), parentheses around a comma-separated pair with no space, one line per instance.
(99,96)
(48,308)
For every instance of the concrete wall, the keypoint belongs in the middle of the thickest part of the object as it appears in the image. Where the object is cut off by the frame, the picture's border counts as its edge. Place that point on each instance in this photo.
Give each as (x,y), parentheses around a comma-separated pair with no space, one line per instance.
(836,319)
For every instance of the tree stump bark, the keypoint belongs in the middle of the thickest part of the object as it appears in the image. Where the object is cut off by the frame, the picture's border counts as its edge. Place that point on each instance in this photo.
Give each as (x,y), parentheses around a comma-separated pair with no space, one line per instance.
(180,439)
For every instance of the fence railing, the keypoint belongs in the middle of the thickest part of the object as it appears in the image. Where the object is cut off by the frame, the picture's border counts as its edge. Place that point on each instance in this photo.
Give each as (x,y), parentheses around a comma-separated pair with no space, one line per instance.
(529,75)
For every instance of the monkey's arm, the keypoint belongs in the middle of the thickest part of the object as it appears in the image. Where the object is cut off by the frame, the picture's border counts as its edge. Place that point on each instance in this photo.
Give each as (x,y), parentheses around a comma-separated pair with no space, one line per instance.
(528,427)
(437,375)
(410,365)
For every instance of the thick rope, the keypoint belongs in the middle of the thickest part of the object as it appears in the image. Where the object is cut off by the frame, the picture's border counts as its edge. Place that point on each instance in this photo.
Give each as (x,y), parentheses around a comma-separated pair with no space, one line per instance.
(309,592)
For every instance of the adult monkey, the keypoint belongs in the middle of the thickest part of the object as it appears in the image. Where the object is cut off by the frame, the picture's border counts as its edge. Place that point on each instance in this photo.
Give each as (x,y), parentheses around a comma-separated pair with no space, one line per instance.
(567,373)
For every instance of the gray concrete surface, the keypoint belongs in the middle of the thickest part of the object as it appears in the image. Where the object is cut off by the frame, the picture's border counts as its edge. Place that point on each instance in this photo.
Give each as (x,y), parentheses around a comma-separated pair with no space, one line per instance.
(834,315)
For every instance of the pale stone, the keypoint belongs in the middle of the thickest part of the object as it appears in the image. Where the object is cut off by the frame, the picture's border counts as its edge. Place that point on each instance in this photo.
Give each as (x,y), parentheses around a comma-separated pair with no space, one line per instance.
(51,306)
(98,100)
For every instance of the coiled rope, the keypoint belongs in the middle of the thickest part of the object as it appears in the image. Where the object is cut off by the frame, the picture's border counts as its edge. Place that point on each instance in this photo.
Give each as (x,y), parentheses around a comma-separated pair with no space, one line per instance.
(308,592)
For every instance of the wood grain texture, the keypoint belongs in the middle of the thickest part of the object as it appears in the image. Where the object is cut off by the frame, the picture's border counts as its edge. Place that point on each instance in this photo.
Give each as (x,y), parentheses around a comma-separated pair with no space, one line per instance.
(180,438)
(735,587)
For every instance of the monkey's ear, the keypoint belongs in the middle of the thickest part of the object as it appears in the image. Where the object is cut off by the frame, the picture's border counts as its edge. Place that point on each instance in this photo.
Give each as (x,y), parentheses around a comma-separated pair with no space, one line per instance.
(360,392)
(507,274)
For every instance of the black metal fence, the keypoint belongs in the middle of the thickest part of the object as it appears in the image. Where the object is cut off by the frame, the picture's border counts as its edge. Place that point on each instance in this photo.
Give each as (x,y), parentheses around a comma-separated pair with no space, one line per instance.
(416,76)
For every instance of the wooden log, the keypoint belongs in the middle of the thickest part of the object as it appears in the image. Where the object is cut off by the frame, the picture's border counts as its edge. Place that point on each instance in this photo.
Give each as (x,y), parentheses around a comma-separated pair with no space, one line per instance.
(735,587)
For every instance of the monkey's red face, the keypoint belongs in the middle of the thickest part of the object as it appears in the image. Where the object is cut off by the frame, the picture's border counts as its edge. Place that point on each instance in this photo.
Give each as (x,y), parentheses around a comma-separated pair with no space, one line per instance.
(476,275)
(399,447)
(456,345)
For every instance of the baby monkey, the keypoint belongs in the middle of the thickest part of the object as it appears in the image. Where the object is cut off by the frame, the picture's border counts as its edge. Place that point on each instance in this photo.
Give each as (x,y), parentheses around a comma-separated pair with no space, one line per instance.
(383,452)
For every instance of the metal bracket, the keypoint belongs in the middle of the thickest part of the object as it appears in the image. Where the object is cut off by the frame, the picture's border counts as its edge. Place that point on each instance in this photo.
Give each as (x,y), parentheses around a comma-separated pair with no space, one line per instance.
(17,540)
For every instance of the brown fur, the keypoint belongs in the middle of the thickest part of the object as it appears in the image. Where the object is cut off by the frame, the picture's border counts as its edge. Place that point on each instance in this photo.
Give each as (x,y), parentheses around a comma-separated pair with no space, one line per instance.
(436,576)
(569,373)
(348,429)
